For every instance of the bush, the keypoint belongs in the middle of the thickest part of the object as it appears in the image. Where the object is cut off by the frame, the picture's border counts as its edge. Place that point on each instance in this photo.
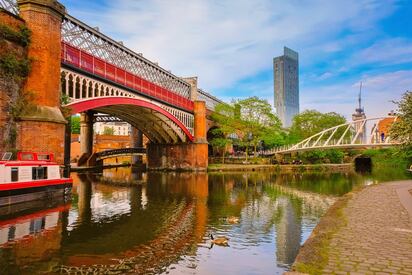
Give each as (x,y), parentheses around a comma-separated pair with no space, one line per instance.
(335,156)
(21,37)
(322,156)
(12,66)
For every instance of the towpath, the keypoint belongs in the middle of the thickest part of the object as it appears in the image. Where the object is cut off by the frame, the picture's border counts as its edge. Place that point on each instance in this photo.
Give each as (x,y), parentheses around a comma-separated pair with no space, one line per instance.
(376,237)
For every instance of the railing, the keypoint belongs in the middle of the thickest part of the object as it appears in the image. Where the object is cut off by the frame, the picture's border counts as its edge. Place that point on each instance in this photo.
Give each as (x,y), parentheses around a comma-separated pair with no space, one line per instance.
(94,65)
(10,6)
(353,134)
(211,101)
(91,40)
(122,151)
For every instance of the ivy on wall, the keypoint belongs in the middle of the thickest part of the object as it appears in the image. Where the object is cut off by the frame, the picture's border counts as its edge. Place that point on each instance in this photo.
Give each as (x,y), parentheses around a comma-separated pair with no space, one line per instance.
(14,68)
(20,37)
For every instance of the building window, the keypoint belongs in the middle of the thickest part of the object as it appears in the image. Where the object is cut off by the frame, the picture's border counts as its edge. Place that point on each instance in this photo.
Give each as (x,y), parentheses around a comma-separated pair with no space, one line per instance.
(39,173)
(14,174)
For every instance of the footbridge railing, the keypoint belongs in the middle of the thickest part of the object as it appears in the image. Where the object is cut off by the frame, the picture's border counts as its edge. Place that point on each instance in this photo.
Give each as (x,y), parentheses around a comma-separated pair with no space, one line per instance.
(365,133)
(120,152)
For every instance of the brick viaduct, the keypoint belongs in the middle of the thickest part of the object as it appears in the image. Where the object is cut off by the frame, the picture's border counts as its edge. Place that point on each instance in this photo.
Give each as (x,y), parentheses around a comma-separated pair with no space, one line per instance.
(42,127)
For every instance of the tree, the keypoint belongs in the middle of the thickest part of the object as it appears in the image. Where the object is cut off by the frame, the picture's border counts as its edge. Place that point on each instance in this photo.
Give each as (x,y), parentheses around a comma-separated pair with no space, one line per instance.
(259,123)
(228,123)
(402,129)
(108,131)
(75,123)
(311,122)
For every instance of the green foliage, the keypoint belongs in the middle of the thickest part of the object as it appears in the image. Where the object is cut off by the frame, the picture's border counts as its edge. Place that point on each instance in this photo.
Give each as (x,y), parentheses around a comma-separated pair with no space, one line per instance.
(311,122)
(335,156)
(402,129)
(250,120)
(108,131)
(22,36)
(259,122)
(322,156)
(390,157)
(13,66)
(75,125)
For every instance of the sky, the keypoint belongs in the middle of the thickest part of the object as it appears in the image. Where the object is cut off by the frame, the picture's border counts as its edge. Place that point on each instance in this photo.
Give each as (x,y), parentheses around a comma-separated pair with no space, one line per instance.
(230,45)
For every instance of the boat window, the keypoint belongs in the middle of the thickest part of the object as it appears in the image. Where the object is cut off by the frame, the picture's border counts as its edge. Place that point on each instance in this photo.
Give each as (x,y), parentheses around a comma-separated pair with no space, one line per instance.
(7,156)
(39,173)
(14,174)
(43,157)
(27,156)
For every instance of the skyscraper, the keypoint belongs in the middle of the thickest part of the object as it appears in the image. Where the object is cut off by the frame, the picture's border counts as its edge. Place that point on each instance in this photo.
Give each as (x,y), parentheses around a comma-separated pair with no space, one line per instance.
(286,76)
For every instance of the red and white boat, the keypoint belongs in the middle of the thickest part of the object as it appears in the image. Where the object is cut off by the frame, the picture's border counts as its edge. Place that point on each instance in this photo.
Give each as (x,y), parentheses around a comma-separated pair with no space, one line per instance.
(31,176)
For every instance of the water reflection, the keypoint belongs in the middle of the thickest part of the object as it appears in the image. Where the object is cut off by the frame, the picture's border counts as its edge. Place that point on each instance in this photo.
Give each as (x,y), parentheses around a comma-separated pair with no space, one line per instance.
(125,221)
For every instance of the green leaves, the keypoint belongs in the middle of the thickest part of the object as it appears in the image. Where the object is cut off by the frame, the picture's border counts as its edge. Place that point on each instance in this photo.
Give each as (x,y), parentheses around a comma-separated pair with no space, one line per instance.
(22,36)
(251,120)
(75,124)
(311,122)
(402,129)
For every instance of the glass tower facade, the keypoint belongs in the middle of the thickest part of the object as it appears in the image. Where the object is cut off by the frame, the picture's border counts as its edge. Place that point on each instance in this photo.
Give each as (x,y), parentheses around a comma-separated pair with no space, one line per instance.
(286,80)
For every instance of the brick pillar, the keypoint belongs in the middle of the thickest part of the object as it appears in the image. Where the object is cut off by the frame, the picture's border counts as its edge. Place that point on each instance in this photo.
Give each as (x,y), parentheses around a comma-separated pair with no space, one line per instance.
(200,122)
(86,133)
(42,125)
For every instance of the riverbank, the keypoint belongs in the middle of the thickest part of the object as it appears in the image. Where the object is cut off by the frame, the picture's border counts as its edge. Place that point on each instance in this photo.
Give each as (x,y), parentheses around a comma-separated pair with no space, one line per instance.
(366,231)
(282,168)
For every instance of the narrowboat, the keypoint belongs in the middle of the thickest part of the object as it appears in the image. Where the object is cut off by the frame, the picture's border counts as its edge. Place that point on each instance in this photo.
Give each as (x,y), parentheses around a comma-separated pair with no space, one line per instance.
(31,176)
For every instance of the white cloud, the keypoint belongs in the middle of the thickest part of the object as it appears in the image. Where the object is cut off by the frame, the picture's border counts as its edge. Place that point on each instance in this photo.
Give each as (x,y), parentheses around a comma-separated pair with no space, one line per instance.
(378,92)
(387,52)
(223,42)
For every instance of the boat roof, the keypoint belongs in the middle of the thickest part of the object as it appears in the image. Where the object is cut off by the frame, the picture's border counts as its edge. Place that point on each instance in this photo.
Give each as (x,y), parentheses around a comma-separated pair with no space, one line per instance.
(28,159)
(28,163)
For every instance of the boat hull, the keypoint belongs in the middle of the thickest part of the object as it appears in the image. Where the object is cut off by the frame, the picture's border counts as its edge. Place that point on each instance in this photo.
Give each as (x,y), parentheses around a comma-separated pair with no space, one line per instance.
(29,192)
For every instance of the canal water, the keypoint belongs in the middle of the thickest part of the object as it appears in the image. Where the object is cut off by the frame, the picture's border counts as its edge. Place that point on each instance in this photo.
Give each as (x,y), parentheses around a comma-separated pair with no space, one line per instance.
(124,221)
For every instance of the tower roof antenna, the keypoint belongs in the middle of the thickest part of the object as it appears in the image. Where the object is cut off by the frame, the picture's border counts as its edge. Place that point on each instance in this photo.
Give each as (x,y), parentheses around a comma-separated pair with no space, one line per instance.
(360,96)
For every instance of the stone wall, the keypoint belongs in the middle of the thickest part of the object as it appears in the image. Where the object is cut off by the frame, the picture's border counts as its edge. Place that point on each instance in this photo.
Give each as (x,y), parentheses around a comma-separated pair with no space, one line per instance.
(186,156)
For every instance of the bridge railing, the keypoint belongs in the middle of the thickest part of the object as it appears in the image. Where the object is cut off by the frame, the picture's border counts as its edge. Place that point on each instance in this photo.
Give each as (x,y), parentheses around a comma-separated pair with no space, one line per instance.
(352,134)
(211,101)
(121,151)
(80,59)
(92,41)
(10,6)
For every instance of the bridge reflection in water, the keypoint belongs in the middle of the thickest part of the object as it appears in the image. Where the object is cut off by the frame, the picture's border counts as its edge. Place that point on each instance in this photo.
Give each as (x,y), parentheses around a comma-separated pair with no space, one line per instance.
(160,222)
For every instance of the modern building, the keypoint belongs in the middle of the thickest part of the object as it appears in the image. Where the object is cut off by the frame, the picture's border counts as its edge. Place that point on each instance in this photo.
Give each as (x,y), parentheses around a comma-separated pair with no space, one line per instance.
(286,85)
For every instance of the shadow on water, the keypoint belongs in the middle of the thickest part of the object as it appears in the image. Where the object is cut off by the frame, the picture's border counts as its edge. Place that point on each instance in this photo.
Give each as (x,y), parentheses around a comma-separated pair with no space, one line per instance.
(125,221)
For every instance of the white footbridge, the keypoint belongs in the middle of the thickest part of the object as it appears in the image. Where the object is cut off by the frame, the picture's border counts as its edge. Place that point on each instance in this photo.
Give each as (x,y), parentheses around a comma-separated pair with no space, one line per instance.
(360,134)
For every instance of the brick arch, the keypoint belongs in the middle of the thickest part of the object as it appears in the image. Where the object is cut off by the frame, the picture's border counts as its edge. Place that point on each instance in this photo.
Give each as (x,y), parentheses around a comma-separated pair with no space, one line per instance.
(159,125)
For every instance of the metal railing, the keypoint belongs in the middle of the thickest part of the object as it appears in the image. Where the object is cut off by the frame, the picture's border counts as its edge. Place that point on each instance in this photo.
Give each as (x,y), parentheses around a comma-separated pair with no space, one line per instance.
(119,152)
(353,134)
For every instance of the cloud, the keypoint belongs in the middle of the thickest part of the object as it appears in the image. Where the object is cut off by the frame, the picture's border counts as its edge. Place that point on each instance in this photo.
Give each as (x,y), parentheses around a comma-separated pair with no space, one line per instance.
(223,42)
(378,92)
(385,52)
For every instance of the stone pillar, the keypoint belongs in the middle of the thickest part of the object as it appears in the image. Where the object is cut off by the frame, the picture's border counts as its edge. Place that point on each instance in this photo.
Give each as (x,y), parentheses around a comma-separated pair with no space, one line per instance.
(86,133)
(193,87)
(136,141)
(42,125)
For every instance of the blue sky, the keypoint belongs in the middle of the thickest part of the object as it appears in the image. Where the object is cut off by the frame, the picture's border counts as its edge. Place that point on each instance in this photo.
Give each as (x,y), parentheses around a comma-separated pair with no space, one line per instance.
(230,45)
